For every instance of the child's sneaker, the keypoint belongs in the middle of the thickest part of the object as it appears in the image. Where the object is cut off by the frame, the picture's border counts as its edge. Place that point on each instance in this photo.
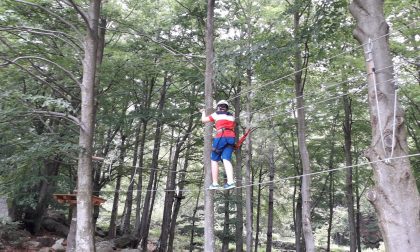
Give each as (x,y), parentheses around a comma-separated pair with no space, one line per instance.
(229,186)
(214,187)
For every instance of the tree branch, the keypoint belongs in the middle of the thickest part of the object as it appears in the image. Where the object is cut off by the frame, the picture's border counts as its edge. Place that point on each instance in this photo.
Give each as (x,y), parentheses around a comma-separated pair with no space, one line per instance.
(58,115)
(70,39)
(81,13)
(53,14)
(49,61)
(35,76)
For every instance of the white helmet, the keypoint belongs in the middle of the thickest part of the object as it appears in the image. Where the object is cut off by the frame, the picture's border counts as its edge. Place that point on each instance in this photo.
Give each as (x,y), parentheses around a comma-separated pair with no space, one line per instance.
(222,102)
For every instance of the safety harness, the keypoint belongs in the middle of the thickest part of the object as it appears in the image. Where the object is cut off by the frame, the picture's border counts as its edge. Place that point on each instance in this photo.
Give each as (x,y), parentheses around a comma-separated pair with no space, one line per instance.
(234,146)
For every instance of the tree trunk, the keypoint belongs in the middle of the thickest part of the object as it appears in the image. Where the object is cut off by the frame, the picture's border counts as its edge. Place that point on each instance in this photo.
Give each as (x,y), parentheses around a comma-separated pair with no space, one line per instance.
(71,236)
(170,189)
(298,225)
(239,200)
(179,197)
(140,177)
(147,95)
(304,155)
(358,213)
(84,233)
(208,94)
(125,224)
(257,224)
(150,193)
(46,188)
(225,240)
(114,213)
(98,181)
(347,124)
(271,164)
(331,189)
(194,216)
(297,203)
(331,208)
(395,195)
(248,183)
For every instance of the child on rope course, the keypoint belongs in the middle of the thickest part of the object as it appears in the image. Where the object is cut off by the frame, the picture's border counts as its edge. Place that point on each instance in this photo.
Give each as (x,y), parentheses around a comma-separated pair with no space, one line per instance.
(223,143)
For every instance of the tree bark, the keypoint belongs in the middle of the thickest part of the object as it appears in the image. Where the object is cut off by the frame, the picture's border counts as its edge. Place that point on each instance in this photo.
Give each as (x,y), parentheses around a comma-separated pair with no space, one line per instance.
(114,213)
(208,93)
(257,224)
(71,237)
(46,187)
(225,239)
(304,155)
(194,216)
(84,233)
(395,196)
(150,193)
(238,193)
(125,224)
(347,130)
(271,164)
(179,197)
(248,180)
(170,188)
(144,122)
(331,209)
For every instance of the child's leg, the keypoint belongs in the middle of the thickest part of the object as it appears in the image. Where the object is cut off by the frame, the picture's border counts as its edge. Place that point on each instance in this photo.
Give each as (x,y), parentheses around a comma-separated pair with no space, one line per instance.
(214,171)
(229,170)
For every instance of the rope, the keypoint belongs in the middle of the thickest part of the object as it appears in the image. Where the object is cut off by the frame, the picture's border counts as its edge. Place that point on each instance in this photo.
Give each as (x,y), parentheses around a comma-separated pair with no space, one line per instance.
(291,74)
(373,74)
(395,114)
(328,171)
(273,115)
(281,179)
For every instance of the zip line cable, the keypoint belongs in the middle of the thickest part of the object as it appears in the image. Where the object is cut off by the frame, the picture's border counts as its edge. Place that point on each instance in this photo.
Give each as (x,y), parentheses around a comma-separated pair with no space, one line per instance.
(276,114)
(265,119)
(295,72)
(281,179)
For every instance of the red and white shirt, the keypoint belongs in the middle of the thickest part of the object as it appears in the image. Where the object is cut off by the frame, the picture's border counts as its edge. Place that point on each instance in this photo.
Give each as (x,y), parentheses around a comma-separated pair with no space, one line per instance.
(224,122)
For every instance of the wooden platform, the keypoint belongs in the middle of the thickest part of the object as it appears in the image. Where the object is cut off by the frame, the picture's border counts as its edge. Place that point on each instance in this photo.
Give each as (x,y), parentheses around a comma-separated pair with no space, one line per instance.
(72,199)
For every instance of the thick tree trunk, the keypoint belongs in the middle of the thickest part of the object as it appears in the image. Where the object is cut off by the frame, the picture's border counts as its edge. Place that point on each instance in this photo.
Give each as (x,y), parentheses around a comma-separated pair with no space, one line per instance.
(347,130)
(304,155)
(239,241)
(84,233)
(395,195)
(271,164)
(208,93)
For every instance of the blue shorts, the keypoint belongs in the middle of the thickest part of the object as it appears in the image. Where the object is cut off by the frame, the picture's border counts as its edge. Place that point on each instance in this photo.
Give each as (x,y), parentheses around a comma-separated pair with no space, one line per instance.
(222,148)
